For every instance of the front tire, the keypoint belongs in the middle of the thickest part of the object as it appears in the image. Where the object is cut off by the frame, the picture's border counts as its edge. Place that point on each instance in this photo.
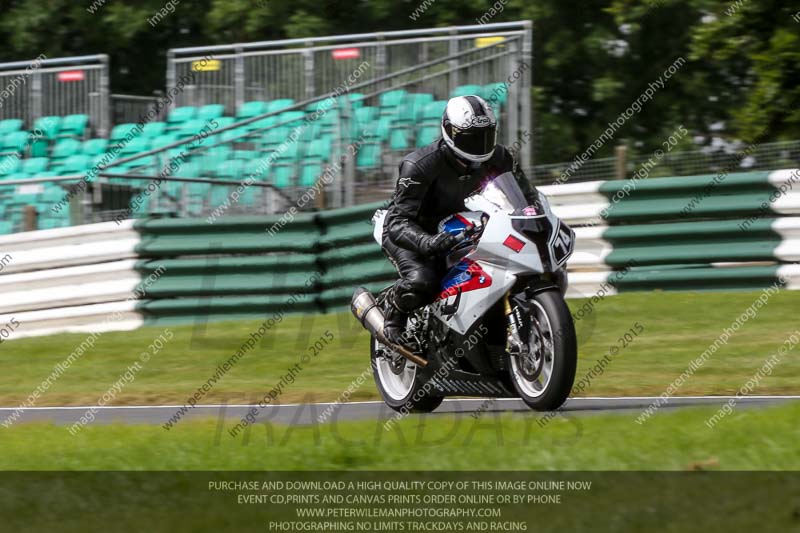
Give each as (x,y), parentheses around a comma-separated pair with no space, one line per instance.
(399,384)
(544,377)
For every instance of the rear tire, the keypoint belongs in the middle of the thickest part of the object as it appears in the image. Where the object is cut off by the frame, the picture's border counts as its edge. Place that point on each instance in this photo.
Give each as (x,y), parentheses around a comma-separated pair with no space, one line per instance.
(400,387)
(545,383)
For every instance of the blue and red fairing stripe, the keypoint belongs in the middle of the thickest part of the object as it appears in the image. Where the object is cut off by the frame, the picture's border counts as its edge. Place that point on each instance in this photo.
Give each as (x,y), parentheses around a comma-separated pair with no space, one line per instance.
(466,275)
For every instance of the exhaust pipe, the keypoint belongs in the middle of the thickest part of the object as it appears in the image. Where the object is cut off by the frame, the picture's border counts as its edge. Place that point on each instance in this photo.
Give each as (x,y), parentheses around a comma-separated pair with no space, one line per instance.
(366,310)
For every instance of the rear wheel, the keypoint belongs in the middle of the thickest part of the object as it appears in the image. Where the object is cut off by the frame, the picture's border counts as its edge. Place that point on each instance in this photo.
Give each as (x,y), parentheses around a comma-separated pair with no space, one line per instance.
(543,377)
(399,383)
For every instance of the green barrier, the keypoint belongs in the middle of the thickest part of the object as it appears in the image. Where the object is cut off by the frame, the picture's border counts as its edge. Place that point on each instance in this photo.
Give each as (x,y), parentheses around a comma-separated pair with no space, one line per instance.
(250,266)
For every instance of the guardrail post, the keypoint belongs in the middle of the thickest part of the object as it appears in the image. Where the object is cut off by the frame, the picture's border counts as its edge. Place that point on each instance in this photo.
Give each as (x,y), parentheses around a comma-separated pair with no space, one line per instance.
(621,161)
(30,218)
(239,78)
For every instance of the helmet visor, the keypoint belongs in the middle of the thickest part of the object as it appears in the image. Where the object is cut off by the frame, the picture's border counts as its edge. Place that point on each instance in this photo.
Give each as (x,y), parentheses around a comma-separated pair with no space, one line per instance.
(475,141)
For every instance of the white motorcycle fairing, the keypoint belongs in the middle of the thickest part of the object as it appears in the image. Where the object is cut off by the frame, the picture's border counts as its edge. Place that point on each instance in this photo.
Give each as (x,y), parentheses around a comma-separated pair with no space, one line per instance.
(481,276)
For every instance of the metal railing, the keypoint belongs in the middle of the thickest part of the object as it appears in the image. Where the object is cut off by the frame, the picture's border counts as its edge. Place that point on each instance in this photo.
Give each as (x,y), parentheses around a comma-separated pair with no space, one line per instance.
(302,68)
(736,158)
(432,78)
(61,86)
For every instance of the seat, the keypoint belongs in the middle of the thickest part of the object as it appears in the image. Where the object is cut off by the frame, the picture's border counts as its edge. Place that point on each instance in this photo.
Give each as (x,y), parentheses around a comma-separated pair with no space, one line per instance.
(152,130)
(65,148)
(427,134)
(291,119)
(277,105)
(123,131)
(207,112)
(391,99)
(232,169)
(283,175)
(74,125)
(466,90)
(179,115)
(48,126)
(34,165)
(75,164)
(251,109)
(496,94)
(369,156)
(9,164)
(10,125)
(432,112)
(137,145)
(16,141)
(309,173)
(191,128)
(94,147)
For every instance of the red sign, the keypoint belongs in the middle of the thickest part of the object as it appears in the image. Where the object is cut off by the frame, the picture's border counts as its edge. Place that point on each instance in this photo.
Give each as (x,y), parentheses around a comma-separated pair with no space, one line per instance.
(346,53)
(70,75)
(513,243)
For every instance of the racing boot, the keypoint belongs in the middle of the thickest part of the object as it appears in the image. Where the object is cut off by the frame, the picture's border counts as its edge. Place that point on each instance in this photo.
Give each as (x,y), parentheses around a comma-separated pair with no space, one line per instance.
(394,325)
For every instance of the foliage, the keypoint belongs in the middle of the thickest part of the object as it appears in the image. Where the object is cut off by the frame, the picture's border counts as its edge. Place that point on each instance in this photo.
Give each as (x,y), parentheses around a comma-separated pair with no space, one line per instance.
(592,59)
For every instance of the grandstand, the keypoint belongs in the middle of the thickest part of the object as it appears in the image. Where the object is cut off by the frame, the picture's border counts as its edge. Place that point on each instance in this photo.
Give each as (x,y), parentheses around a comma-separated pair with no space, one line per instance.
(248,128)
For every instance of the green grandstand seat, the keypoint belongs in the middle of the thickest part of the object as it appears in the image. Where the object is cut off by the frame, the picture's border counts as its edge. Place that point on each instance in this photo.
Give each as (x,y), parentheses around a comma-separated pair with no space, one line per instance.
(49,126)
(122,131)
(191,127)
(466,90)
(152,130)
(406,114)
(427,134)
(398,139)
(164,140)
(75,164)
(291,119)
(74,125)
(261,123)
(291,152)
(34,165)
(179,115)
(65,148)
(369,156)
(137,145)
(416,102)
(16,141)
(224,122)
(10,125)
(251,109)
(277,105)
(207,112)
(94,147)
(236,135)
(391,99)
(496,94)
(379,129)
(9,165)
(244,154)
(319,149)
(214,157)
(310,131)
(232,169)
(433,111)
(275,136)
(309,173)
(282,175)
(40,148)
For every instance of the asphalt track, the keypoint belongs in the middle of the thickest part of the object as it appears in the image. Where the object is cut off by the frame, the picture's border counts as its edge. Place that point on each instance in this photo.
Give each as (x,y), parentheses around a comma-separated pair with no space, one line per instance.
(302,414)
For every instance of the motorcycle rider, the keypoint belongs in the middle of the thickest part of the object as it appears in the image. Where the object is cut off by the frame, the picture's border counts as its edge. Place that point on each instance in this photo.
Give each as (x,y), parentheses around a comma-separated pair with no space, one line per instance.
(434,181)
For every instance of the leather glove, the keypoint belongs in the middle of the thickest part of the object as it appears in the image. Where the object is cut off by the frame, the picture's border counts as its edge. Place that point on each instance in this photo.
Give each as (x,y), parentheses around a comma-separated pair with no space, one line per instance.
(438,244)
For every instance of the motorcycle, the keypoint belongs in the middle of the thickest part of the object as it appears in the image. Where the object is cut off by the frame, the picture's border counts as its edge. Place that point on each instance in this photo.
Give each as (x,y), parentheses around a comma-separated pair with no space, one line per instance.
(500,326)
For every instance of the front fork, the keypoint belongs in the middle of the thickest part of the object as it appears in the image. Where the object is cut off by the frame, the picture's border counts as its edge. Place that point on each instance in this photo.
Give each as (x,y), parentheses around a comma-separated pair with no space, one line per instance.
(515,343)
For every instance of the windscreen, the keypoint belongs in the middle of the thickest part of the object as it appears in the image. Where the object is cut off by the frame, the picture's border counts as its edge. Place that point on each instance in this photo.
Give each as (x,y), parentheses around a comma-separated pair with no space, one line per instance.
(504,192)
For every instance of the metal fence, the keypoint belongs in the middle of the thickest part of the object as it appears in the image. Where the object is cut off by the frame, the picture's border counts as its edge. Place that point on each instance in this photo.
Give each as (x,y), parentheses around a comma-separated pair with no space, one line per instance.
(302,68)
(276,147)
(62,86)
(735,158)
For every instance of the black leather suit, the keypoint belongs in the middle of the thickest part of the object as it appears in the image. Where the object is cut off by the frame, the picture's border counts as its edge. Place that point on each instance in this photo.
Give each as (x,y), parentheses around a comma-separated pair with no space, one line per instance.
(432,185)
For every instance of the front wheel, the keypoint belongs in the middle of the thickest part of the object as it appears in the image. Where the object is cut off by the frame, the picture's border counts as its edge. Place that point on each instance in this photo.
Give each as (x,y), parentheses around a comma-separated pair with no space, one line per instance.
(399,383)
(543,376)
